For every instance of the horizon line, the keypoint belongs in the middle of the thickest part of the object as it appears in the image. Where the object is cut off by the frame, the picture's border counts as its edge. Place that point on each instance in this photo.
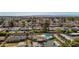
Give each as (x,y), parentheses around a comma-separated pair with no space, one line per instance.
(39,13)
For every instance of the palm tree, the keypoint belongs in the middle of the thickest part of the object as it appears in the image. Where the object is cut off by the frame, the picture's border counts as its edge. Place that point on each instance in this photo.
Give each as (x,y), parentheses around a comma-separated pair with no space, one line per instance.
(46,25)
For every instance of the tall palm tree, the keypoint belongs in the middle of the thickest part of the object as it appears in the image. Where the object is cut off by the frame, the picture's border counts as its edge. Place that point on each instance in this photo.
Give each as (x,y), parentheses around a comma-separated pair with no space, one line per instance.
(46,25)
(26,41)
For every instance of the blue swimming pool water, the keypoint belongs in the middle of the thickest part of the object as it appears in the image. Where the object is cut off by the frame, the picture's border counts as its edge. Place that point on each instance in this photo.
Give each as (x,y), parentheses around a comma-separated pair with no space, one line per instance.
(48,36)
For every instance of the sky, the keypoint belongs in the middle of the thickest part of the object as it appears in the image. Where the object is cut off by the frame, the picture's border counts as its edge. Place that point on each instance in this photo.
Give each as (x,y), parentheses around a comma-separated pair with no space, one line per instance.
(39,13)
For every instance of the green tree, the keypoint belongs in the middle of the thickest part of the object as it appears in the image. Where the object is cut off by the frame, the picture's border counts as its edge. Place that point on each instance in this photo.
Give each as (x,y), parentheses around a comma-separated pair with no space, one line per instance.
(69,31)
(67,43)
(11,23)
(23,23)
(26,41)
(75,43)
(59,30)
(6,36)
(46,25)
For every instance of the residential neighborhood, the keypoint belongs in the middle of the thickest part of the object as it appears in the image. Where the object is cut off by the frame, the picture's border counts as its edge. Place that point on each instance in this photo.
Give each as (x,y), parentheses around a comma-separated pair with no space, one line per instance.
(39,31)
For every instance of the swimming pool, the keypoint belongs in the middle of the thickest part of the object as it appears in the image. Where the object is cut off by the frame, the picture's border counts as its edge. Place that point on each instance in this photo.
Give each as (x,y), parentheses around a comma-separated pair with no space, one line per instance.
(47,36)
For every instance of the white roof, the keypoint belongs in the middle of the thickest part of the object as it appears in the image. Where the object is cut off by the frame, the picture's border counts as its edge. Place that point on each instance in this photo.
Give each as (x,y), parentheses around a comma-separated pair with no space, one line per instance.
(21,44)
(14,28)
(74,33)
(2,29)
(66,37)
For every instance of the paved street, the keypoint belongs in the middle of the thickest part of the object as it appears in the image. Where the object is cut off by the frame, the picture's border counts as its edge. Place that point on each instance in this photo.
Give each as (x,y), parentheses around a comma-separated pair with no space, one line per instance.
(59,38)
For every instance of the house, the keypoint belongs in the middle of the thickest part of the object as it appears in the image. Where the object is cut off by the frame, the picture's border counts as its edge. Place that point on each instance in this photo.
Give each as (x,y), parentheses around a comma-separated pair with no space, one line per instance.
(21,44)
(74,34)
(65,37)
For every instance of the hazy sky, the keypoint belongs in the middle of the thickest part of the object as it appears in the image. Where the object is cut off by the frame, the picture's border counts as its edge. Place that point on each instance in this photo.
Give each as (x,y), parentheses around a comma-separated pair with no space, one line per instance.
(39,13)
